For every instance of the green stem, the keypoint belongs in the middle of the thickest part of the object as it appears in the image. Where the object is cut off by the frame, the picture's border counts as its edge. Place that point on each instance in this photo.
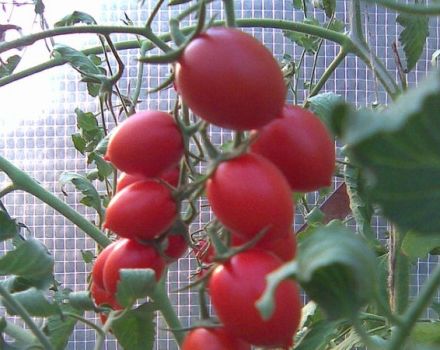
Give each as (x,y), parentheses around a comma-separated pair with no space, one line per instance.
(18,333)
(415,310)
(398,281)
(92,29)
(230,12)
(20,310)
(154,13)
(360,48)
(161,299)
(298,75)
(328,72)
(139,80)
(26,183)
(8,189)
(86,322)
(412,9)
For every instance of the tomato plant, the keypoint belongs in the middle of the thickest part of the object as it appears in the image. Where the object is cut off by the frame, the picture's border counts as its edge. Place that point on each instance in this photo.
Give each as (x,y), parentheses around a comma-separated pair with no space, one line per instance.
(237,284)
(228,195)
(213,339)
(143,210)
(148,143)
(230,79)
(310,160)
(248,194)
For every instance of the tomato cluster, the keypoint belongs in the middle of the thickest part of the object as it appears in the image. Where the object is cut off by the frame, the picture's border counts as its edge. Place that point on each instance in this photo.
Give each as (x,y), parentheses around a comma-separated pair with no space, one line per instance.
(229,79)
(147,147)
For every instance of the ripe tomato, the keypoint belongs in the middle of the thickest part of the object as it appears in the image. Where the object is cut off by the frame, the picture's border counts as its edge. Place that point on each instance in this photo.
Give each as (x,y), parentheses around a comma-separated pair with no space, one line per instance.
(212,339)
(170,176)
(175,248)
(249,194)
(142,210)
(284,248)
(130,254)
(300,146)
(102,297)
(98,266)
(230,79)
(148,143)
(236,285)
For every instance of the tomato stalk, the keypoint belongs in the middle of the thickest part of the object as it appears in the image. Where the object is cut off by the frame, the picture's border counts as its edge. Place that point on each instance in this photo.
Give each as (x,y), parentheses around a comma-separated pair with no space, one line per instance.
(26,183)
(414,311)
(11,303)
(165,307)
(230,12)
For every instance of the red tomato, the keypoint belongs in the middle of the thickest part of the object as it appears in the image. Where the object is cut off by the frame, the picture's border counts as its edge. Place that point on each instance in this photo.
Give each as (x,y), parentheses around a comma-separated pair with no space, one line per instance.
(300,146)
(102,297)
(230,79)
(98,266)
(171,176)
(142,210)
(176,247)
(235,287)
(212,339)
(130,254)
(249,194)
(147,143)
(284,248)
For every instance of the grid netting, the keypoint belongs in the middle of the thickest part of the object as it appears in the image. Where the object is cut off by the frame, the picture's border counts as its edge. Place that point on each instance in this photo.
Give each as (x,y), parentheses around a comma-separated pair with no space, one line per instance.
(37,119)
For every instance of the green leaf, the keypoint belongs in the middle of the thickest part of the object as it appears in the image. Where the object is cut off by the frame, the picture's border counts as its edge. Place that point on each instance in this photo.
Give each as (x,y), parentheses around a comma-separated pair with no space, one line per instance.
(426,333)
(87,256)
(81,301)
(29,260)
(105,169)
(74,18)
(79,142)
(298,4)
(91,196)
(397,150)
(323,104)
(34,302)
(10,65)
(77,60)
(413,37)
(337,270)
(59,329)
(308,42)
(135,284)
(336,25)
(177,2)
(86,121)
(361,206)
(39,7)
(418,245)
(8,227)
(318,336)
(136,329)
(329,6)
(93,89)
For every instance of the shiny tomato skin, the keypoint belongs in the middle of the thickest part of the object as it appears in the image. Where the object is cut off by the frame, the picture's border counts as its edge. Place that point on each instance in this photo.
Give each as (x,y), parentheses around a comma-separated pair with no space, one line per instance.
(130,254)
(170,176)
(299,144)
(238,283)
(98,266)
(212,339)
(249,194)
(230,79)
(144,210)
(147,143)
(284,248)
